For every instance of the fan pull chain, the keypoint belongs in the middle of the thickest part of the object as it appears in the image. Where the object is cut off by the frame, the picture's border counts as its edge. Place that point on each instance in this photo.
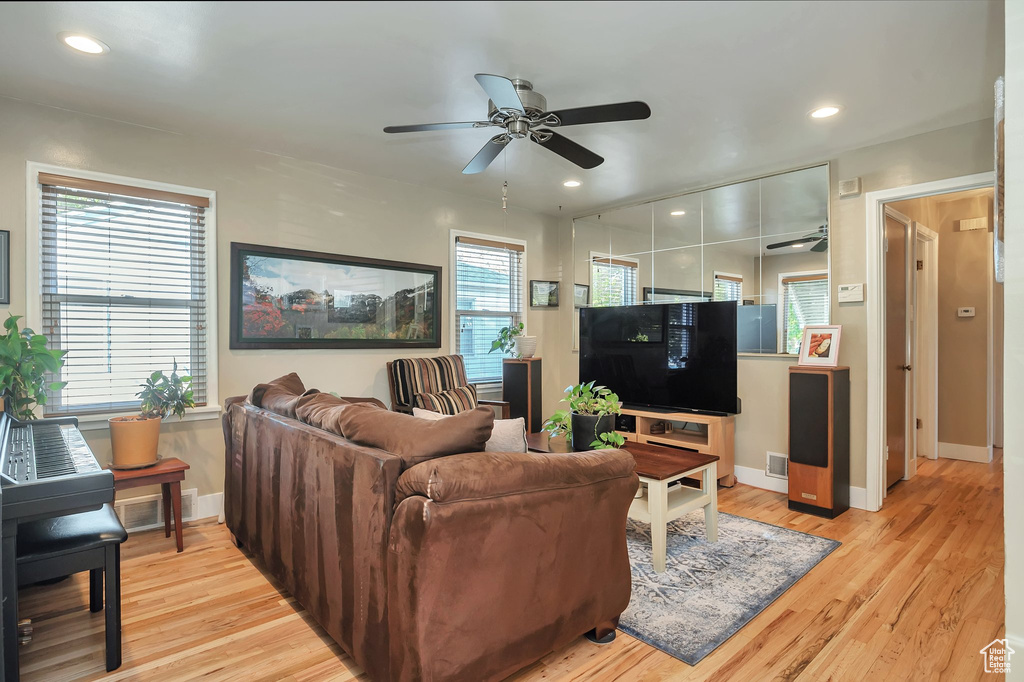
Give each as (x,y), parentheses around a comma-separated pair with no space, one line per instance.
(504,196)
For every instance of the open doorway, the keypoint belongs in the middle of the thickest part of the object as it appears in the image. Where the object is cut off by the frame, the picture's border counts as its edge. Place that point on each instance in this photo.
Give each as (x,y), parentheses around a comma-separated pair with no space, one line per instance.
(942,312)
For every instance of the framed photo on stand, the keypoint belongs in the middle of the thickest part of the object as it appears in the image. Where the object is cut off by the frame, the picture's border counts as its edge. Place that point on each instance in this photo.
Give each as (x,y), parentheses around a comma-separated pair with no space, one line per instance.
(820,345)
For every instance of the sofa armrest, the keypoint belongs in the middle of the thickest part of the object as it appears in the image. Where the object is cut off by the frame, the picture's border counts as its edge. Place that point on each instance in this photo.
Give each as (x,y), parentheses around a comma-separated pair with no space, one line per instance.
(483,475)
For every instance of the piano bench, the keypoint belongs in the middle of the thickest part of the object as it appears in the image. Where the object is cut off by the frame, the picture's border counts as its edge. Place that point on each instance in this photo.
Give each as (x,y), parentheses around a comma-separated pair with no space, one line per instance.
(89,541)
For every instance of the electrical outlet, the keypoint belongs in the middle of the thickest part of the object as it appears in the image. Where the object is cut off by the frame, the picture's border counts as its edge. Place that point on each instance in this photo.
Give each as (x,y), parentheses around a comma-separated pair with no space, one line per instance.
(967,311)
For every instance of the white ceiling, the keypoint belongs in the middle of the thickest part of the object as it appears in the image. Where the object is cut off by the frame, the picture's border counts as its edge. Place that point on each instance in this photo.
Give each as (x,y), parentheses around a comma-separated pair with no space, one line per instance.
(729,83)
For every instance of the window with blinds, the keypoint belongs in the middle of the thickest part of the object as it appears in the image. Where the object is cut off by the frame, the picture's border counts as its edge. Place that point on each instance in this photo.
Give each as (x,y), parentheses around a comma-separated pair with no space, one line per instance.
(488,296)
(613,281)
(804,301)
(727,287)
(123,289)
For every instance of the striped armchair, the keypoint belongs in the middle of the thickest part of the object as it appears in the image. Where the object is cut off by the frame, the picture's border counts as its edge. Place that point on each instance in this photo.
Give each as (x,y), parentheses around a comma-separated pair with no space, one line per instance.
(438,384)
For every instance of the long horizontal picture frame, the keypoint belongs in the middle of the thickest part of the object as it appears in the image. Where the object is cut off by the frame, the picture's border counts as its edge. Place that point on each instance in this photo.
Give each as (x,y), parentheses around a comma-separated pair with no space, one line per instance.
(290,298)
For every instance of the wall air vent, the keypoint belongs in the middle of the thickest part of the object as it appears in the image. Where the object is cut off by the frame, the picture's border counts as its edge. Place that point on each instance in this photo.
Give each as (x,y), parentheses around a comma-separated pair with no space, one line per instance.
(777,465)
(146,512)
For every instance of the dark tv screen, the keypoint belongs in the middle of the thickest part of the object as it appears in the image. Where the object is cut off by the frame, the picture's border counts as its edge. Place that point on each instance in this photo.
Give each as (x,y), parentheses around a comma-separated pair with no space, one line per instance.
(678,356)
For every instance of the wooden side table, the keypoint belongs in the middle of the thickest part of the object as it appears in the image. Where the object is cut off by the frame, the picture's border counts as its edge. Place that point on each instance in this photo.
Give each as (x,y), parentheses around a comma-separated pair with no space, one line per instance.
(169,473)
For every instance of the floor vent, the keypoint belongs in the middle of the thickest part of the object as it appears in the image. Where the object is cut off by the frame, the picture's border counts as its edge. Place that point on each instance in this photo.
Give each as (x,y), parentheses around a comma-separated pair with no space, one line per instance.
(146,512)
(777,465)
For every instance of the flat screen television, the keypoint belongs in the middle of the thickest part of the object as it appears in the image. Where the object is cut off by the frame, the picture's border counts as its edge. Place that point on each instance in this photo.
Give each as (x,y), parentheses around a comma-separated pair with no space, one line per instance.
(674,356)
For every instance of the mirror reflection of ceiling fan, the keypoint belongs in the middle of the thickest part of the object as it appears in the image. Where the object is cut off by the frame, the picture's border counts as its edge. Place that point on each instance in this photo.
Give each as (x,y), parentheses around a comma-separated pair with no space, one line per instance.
(820,238)
(522,111)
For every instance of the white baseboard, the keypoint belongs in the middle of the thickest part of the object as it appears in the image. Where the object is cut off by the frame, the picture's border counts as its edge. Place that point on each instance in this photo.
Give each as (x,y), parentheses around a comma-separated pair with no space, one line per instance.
(967,453)
(758,479)
(209,505)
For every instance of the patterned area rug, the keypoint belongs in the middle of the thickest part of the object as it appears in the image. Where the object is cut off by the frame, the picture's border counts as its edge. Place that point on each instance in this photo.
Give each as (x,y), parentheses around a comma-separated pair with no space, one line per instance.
(710,590)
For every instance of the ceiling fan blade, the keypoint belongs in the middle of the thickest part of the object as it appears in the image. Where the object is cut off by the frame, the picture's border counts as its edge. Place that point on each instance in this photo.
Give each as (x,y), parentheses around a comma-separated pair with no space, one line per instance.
(791,242)
(820,246)
(501,91)
(603,113)
(484,157)
(567,149)
(437,126)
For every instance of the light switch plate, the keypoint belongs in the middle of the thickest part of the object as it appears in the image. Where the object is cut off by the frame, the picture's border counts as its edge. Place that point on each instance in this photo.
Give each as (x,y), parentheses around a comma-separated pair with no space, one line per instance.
(965,312)
(851,293)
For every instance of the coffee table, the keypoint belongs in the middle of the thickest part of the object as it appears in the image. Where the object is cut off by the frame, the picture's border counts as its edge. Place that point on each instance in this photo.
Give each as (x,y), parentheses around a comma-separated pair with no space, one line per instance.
(658,468)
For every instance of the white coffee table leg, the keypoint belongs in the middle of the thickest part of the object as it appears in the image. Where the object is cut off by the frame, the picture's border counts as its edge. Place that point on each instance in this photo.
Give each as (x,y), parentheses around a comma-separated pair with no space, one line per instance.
(657,503)
(710,482)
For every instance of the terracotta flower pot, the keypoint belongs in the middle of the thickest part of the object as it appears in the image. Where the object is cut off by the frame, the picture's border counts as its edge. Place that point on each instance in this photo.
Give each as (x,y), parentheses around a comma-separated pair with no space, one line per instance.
(134,441)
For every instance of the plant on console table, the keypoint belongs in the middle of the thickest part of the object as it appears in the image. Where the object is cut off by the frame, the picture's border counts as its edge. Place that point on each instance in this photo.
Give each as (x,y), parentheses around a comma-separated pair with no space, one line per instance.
(135,439)
(589,423)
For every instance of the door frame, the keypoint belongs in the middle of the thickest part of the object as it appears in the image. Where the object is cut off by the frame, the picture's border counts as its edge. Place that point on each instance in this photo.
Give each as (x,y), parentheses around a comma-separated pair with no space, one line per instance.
(874,297)
(926,344)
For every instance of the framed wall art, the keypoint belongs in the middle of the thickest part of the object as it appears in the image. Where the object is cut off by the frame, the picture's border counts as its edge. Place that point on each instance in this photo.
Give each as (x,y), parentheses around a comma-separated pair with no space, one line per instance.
(581,295)
(820,345)
(543,294)
(288,298)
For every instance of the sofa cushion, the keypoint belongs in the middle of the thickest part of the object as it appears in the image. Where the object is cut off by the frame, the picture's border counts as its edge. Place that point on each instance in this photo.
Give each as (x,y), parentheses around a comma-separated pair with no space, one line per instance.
(509,435)
(414,440)
(280,395)
(451,401)
(313,408)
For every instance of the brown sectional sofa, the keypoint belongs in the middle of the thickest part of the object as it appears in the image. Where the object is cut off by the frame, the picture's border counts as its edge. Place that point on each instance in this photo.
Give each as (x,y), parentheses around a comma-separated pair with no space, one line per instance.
(463,567)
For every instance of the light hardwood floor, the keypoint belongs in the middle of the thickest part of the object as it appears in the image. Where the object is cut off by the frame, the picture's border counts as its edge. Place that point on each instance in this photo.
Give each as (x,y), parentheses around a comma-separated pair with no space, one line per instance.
(913,593)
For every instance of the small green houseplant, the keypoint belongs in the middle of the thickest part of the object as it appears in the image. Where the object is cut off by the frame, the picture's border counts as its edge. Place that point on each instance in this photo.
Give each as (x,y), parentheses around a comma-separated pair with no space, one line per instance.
(506,341)
(24,363)
(589,422)
(135,439)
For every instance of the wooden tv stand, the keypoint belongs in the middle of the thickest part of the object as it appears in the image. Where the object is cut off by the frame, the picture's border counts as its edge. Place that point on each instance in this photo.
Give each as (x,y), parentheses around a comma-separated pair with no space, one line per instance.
(719,439)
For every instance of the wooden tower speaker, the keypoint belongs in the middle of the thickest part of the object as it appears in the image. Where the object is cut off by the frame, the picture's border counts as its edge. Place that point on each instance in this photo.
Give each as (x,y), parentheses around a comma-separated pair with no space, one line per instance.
(819,440)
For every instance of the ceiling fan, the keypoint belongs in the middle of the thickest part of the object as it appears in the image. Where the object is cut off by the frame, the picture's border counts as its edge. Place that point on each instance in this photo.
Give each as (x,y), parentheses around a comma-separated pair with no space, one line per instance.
(515,106)
(821,237)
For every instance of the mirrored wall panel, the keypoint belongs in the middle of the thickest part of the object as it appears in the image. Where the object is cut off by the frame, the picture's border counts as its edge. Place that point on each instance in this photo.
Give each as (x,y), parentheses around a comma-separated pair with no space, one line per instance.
(762,243)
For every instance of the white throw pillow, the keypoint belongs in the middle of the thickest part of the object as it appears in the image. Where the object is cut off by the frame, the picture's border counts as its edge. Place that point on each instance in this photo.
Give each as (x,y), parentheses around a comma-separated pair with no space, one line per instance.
(509,435)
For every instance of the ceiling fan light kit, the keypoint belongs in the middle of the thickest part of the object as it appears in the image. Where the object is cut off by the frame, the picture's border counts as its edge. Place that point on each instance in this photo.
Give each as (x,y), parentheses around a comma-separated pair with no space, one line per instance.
(514,105)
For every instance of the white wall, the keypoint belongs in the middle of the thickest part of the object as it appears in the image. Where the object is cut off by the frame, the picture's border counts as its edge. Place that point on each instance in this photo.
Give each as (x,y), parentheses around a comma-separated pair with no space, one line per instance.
(1013,387)
(272,200)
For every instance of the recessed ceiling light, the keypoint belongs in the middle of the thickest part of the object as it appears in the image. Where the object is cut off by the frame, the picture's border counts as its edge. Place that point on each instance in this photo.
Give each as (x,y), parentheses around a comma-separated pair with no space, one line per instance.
(571,183)
(678,213)
(825,112)
(83,43)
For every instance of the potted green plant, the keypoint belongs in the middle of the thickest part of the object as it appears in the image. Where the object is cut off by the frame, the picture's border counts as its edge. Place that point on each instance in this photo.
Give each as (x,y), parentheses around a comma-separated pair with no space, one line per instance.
(512,342)
(135,439)
(24,362)
(589,422)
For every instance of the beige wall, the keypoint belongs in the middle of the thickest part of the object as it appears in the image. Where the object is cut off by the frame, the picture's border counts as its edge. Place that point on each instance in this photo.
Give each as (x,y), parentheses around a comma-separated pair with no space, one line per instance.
(1013,436)
(964,280)
(272,200)
(952,152)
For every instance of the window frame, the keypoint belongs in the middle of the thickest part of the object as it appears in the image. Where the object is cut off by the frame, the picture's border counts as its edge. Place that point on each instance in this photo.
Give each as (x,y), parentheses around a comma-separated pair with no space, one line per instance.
(453,329)
(596,257)
(780,308)
(33,275)
(726,277)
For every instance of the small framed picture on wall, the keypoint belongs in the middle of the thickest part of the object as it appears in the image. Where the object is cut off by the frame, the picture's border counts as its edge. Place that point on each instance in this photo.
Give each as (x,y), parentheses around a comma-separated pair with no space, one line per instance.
(820,345)
(580,295)
(543,294)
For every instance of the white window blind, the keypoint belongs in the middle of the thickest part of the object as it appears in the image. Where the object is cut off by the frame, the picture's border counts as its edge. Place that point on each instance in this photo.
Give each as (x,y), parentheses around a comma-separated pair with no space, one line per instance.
(488,296)
(123,289)
(613,281)
(804,301)
(727,287)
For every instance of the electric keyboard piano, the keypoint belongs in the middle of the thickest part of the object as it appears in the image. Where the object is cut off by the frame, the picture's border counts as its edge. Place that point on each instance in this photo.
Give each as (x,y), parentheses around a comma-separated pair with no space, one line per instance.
(46,470)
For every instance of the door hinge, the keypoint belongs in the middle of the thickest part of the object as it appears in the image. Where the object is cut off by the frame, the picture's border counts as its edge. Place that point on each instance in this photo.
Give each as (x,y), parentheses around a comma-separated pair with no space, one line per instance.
(920,424)
(886,453)
(920,265)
